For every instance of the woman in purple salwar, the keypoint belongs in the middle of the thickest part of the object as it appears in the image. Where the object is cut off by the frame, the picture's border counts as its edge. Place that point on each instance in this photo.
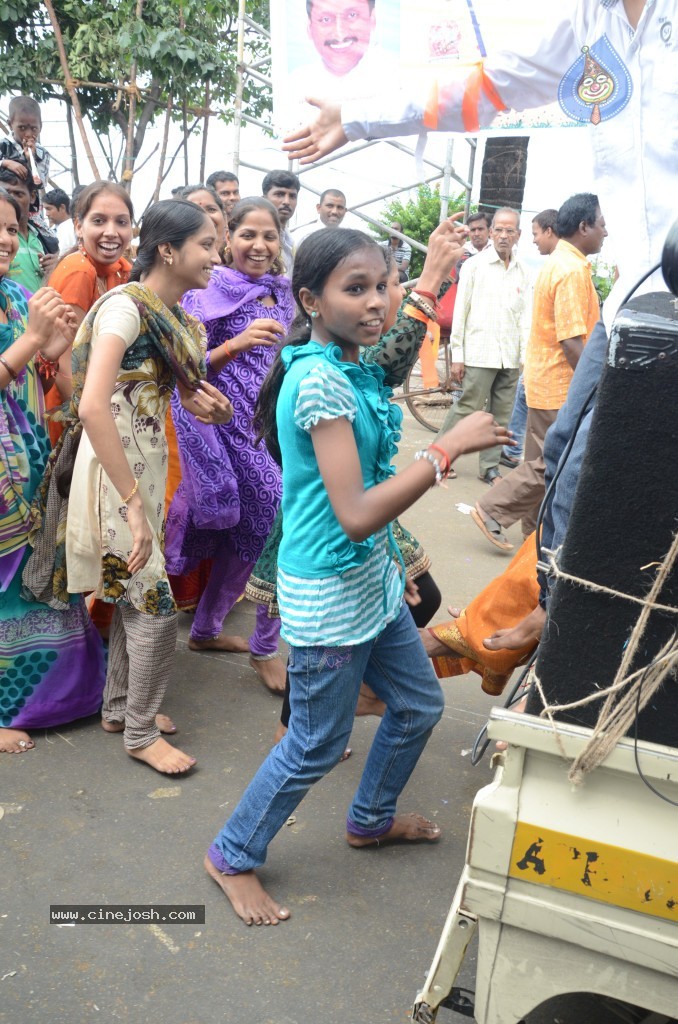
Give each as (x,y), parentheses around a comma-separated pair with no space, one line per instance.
(230,491)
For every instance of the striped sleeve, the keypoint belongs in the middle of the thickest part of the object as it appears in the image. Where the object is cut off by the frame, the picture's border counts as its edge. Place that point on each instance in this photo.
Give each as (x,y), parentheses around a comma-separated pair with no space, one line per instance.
(324,394)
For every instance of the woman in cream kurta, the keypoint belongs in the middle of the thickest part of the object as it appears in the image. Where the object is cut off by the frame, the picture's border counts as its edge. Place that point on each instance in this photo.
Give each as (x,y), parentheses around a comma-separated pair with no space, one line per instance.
(98,538)
(133,348)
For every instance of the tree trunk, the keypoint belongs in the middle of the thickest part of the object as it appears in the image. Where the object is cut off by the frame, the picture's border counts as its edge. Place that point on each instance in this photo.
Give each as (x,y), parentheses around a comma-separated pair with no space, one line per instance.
(70,88)
(71,138)
(502,180)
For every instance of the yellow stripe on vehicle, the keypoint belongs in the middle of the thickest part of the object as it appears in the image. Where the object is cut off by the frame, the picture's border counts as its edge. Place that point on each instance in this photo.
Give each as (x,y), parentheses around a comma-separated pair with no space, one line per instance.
(609,874)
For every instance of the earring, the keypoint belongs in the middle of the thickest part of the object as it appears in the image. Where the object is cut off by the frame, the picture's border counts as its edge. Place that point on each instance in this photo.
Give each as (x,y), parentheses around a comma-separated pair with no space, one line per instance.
(168,260)
(314,314)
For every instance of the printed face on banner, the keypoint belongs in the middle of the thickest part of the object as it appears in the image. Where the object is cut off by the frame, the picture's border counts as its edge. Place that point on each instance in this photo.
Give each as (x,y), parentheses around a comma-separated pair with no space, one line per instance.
(341,31)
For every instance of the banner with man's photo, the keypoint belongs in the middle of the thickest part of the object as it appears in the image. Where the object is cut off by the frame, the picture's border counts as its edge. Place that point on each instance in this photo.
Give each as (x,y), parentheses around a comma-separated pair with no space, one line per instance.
(348,49)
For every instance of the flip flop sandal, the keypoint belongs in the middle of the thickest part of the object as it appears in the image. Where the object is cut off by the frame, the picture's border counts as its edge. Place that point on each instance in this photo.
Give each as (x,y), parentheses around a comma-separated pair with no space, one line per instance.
(491,529)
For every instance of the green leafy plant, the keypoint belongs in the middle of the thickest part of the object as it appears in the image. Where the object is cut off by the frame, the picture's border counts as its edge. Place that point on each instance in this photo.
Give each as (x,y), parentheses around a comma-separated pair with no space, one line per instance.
(604,275)
(419,217)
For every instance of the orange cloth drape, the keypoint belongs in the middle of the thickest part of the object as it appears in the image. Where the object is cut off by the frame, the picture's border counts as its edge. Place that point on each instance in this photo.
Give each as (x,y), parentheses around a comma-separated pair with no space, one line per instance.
(502,604)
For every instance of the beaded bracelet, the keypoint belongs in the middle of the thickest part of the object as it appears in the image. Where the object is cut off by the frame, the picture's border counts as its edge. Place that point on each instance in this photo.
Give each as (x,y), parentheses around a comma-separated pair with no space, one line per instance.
(126,501)
(424,306)
(13,374)
(428,457)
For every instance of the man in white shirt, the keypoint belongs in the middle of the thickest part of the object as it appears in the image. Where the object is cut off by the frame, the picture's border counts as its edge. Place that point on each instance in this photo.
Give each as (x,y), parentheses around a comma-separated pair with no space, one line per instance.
(57,206)
(611,64)
(331,211)
(490,327)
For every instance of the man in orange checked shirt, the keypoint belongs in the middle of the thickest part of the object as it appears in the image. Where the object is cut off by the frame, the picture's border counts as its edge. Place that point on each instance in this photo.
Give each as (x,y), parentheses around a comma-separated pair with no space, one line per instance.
(565,311)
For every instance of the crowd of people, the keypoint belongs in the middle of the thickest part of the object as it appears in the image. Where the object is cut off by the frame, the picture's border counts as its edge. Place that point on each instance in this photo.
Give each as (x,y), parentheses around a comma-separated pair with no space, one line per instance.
(221,424)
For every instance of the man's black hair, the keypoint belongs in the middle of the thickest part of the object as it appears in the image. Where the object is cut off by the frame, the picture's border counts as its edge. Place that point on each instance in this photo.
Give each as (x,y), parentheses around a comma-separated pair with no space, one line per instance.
(218,176)
(279,179)
(547,219)
(583,206)
(57,197)
(473,217)
(331,192)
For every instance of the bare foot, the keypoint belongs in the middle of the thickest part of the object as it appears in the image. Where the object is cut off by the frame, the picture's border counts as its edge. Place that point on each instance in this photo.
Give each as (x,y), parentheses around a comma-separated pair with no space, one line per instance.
(435,648)
(228,644)
(247,896)
(163,722)
(15,741)
(454,611)
(410,828)
(368,703)
(526,632)
(271,671)
(162,756)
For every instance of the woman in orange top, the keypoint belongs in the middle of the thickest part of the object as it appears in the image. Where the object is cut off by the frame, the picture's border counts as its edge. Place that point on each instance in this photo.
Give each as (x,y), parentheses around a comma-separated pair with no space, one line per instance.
(103,225)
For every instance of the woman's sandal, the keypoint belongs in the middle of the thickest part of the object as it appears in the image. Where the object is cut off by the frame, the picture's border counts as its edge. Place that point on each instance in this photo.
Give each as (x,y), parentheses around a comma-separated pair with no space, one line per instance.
(491,529)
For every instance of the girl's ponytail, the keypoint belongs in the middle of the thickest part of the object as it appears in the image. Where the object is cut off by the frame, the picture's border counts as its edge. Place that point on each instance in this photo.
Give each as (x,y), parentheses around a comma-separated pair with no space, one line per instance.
(265,410)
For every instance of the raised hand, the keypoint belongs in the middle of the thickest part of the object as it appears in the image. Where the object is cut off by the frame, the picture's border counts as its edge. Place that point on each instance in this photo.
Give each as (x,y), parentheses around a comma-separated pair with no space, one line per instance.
(445,249)
(473,433)
(62,336)
(47,312)
(15,167)
(316,140)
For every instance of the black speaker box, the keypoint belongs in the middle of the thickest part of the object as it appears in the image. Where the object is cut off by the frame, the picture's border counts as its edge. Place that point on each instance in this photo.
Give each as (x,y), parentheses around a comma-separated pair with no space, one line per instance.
(623,521)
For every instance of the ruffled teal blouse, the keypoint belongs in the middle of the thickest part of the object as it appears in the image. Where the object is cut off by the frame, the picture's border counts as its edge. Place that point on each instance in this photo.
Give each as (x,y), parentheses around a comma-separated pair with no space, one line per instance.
(359,575)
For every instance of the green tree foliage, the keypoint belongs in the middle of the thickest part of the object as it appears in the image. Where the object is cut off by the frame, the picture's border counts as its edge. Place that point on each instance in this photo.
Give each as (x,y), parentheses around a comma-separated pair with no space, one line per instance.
(178,45)
(604,276)
(419,217)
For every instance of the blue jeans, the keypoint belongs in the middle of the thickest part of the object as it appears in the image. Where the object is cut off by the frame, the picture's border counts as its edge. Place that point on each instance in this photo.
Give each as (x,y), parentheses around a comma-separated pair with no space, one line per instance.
(518,422)
(587,373)
(324,688)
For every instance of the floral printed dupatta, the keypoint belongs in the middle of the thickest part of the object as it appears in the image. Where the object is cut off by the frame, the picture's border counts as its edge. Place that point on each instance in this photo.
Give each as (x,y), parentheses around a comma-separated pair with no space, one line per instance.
(177,339)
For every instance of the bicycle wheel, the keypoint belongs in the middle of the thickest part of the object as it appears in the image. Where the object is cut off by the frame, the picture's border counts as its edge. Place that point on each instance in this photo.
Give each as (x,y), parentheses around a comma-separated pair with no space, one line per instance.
(430,406)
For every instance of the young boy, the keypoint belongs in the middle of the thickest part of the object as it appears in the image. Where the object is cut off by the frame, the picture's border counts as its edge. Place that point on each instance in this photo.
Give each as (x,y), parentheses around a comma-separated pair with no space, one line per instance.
(25,125)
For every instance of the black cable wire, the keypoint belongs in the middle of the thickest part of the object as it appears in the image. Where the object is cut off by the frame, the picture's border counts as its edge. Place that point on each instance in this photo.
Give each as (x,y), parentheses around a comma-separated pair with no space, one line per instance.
(478,751)
(643,778)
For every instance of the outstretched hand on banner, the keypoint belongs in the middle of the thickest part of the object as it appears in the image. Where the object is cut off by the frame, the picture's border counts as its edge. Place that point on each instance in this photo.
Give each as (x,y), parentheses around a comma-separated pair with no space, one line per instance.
(320,138)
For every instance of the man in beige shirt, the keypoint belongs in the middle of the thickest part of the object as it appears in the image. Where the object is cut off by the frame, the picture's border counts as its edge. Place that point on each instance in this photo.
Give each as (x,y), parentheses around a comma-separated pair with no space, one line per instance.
(490,327)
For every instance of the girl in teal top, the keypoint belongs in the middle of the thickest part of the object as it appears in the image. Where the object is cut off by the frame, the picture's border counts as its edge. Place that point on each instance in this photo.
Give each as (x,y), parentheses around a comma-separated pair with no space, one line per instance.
(327,417)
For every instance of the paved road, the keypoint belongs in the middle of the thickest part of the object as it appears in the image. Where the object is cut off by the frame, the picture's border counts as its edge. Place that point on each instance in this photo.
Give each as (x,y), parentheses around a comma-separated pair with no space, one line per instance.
(84,824)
